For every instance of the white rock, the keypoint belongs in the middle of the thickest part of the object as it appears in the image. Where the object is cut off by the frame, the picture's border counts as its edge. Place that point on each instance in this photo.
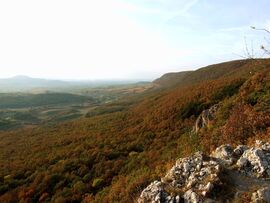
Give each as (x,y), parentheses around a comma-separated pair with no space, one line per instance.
(191,197)
(242,162)
(177,199)
(261,195)
(263,145)
(224,154)
(186,167)
(209,187)
(197,175)
(199,166)
(204,193)
(257,159)
(154,193)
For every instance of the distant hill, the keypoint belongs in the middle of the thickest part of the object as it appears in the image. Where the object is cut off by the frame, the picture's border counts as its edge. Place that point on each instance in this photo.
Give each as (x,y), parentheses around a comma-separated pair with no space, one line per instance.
(21,83)
(226,69)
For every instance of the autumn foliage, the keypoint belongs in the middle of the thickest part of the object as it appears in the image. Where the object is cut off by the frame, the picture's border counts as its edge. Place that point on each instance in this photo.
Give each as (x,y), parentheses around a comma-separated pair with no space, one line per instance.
(111,157)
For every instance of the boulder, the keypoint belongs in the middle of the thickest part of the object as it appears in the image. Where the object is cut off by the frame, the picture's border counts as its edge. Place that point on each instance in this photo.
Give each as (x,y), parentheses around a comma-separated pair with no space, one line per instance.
(255,162)
(154,193)
(224,154)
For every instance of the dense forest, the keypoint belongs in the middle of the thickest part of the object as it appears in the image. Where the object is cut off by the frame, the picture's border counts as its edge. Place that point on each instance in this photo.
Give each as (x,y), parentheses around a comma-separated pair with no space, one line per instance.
(111,155)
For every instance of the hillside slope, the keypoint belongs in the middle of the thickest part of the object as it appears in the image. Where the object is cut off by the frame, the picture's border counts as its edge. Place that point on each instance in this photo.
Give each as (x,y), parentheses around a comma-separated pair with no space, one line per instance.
(171,79)
(112,157)
(226,69)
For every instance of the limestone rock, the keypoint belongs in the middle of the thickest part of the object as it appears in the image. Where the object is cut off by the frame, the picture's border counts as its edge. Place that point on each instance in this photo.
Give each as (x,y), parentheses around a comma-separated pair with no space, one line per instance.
(191,197)
(193,172)
(205,117)
(263,145)
(225,154)
(261,195)
(255,162)
(201,178)
(154,193)
(195,176)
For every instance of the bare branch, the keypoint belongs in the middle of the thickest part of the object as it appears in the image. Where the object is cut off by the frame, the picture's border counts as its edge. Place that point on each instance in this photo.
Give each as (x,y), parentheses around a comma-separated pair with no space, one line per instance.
(249,54)
(260,29)
(265,50)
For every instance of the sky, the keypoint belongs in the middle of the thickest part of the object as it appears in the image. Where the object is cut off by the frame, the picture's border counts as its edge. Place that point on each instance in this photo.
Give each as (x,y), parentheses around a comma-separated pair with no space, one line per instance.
(125,39)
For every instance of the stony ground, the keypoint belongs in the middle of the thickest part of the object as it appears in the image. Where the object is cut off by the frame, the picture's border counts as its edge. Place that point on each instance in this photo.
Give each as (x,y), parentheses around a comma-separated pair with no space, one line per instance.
(240,174)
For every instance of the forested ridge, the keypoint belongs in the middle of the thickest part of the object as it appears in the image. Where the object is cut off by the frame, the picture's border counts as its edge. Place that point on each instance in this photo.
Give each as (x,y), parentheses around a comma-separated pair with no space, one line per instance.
(111,156)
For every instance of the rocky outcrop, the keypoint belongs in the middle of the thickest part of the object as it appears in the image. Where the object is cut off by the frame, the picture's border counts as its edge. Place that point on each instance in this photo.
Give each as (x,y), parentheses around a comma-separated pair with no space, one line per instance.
(197,172)
(224,154)
(154,192)
(201,178)
(194,177)
(253,161)
(205,117)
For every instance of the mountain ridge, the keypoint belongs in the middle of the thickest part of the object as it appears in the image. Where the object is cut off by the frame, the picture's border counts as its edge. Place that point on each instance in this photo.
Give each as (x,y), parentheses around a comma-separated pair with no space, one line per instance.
(224,69)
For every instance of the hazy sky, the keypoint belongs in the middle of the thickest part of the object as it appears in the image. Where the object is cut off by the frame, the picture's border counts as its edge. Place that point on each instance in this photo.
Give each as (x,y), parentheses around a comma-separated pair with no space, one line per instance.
(94,39)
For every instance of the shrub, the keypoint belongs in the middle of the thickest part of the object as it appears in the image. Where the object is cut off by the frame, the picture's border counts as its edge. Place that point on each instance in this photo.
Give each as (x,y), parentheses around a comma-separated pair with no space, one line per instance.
(87,177)
(193,108)
(227,91)
(97,183)
(79,187)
